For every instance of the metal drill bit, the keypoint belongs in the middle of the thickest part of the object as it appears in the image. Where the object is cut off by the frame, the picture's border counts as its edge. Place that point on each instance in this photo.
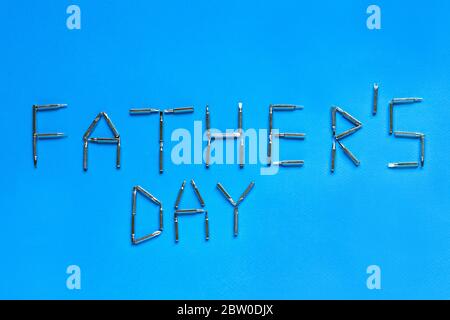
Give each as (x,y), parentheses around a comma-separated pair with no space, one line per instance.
(208,136)
(180,110)
(333,120)
(286,107)
(236,220)
(111,126)
(333,155)
(176,226)
(375,98)
(197,193)
(269,146)
(92,125)
(289,163)
(206,226)
(104,140)
(147,237)
(290,135)
(398,165)
(148,195)
(245,193)
(422,150)
(226,194)
(189,211)
(241,142)
(349,154)
(348,116)
(161,142)
(226,135)
(143,111)
(348,132)
(180,193)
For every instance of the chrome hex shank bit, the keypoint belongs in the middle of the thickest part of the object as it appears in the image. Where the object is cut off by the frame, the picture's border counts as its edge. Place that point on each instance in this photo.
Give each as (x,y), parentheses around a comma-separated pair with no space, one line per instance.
(143,111)
(180,110)
(180,193)
(391,117)
(34,136)
(245,193)
(226,194)
(118,153)
(161,221)
(150,236)
(348,132)
(189,211)
(176,226)
(206,226)
(406,100)
(333,156)
(290,135)
(208,136)
(161,141)
(85,154)
(269,146)
(349,117)
(103,140)
(197,193)
(422,150)
(289,163)
(110,125)
(399,165)
(286,107)
(349,154)
(50,106)
(148,195)
(333,120)
(133,215)
(241,138)
(226,135)
(50,135)
(375,99)
(405,134)
(236,220)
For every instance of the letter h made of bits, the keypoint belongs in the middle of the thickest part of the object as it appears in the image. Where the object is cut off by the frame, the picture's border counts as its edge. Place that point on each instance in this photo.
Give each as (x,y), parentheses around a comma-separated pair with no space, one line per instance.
(237,134)
(161,112)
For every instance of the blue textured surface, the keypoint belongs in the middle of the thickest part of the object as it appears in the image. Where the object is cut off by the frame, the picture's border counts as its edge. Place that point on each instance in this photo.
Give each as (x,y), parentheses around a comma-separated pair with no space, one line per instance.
(303,232)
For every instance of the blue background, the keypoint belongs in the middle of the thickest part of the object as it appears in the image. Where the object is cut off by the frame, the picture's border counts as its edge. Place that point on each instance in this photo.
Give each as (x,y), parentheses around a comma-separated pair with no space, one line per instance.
(303,232)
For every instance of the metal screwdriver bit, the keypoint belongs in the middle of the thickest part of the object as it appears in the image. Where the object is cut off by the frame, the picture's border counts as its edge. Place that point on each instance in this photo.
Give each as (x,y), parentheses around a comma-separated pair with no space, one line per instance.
(208,136)
(333,156)
(226,135)
(226,194)
(245,193)
(399,165)
(290,135)
(147,237)
(349,117)
(289,163)
(103,140)
(118,153)
(286,107)
(399,101)
(161,142)
(333,120)
(391,117)
(110,125)
(148,195)
(180,193)
(50,135)
(144,111)
(50,107)
(349,154)
(236,220)
(269,146)
(422,150)
(348,132)
(189,211)
(206,226)
(85,154)
(405,134)
(241,142)
(197,193)
(180,110)
(406,100)
(375,99)
(176,227)
(161,224)
(92,125)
